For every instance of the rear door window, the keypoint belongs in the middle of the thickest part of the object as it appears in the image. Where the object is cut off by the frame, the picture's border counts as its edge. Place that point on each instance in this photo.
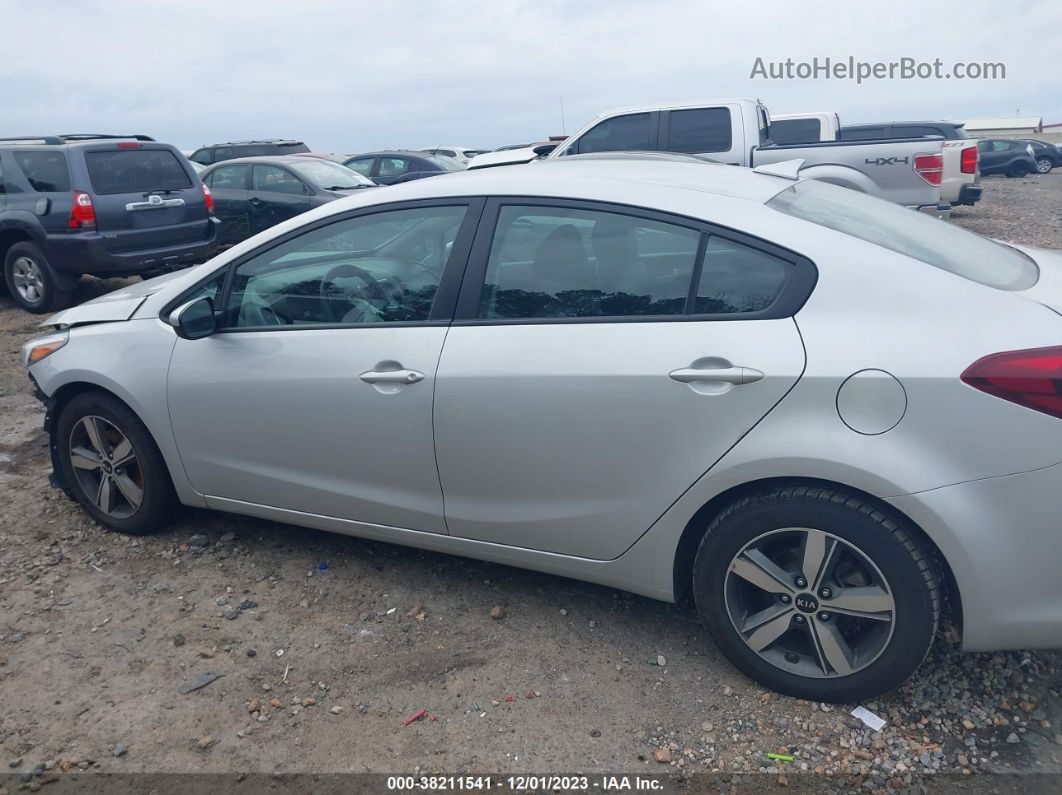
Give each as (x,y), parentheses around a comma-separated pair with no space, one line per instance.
(559,262)
(135,171)
(47,172)
(618,134)
(796,131)
(393,166)
(699,130)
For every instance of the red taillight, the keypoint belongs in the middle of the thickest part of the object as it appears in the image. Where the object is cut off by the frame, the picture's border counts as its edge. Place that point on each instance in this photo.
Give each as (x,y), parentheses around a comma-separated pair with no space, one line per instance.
(128,145)
(969,160)
(209,199)
(82,213)
(1031,378)
(930,167)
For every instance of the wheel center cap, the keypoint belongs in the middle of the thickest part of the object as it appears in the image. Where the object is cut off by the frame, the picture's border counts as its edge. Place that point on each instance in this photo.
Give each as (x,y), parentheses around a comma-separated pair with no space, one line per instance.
(107,467)
(806,603)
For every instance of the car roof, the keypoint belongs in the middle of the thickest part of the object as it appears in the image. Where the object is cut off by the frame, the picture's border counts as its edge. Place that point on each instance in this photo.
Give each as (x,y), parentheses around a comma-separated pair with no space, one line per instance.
(281,159)
(277,141)
(568,178)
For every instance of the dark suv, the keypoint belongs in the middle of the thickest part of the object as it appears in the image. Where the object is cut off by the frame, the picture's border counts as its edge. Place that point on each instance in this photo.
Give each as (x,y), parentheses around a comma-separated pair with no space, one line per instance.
(208,155)
(107,205)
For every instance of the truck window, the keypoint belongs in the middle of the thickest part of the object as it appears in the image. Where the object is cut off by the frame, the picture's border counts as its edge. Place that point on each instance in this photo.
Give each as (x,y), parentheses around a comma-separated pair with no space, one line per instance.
(796,131)
(618,134)
(699,130)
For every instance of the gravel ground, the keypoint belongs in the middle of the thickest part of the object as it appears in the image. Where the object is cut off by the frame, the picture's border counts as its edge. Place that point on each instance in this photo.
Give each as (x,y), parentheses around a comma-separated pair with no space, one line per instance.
(325,644)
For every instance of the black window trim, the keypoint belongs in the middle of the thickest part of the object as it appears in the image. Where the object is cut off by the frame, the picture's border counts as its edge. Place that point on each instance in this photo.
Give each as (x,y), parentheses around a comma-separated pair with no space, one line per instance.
(446,295)
(790,299)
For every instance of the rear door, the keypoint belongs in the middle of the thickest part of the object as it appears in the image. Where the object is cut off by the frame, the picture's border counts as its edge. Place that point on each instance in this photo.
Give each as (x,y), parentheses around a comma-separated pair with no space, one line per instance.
(230,185)
(146,196)
(603,358)
(276,195)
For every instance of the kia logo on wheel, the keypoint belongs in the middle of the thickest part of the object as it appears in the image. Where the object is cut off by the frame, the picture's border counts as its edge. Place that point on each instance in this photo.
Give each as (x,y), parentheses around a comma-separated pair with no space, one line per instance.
(806,603)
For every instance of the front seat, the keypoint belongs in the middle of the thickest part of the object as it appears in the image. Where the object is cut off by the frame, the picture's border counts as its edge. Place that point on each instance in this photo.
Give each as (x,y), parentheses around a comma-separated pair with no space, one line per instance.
(618,267)
(561,263)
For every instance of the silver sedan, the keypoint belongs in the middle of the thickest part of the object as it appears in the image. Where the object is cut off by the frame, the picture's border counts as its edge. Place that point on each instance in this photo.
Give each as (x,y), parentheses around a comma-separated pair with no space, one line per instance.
(828,418)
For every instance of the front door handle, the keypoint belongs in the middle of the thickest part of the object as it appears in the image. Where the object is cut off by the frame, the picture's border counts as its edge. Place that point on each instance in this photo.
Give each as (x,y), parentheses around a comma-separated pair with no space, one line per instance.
(392,377)
(725,375)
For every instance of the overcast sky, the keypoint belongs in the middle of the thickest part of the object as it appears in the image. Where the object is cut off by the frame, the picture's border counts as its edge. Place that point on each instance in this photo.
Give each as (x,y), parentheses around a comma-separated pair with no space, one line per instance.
(353,76)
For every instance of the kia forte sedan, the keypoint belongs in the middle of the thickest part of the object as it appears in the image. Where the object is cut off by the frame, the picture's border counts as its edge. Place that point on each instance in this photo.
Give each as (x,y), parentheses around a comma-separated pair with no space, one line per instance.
(823,415)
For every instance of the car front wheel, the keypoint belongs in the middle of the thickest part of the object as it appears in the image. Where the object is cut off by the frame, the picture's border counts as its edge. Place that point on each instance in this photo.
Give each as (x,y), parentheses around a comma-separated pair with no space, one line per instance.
(112,465)
(1044,165)
(816,593)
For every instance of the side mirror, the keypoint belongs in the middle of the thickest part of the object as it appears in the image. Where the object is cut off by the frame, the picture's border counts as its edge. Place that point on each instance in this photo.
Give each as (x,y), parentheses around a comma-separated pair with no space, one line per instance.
(194,320)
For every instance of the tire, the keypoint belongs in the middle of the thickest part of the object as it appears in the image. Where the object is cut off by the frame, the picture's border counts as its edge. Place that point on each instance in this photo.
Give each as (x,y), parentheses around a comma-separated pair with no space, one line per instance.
(30,280)
(146,472)
(798,659)
(1044,165)
(1017,170)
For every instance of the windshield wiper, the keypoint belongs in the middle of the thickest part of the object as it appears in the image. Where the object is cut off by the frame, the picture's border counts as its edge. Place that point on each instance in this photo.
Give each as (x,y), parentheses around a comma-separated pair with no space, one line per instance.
(346,187)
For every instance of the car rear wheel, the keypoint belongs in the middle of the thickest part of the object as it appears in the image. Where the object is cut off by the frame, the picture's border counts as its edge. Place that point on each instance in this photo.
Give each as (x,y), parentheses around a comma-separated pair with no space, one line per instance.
(112,465)
(30,281)
(1017,170)
(816,594)
(1044,165)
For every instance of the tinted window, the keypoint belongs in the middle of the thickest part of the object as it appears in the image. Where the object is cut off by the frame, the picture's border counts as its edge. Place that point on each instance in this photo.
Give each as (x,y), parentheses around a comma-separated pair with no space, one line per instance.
(913,234)
(796,131)
(362,165)
(274,180)
(393,166)
(257,150)
(914,131)
(224,153)
(46,171)
(550,262)
(699,130)
(292,148)
(622,133)
(738,278)
(380,268)
(136,171)
(201,156)
(232,177)
(861,133)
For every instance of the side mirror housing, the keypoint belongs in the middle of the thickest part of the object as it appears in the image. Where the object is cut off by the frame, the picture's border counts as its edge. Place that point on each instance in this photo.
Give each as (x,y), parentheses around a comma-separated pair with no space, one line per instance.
(194,320)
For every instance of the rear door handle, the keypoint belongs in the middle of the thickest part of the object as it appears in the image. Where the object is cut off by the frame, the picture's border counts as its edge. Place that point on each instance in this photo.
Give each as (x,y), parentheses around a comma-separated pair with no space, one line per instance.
(392,377)
(725,375)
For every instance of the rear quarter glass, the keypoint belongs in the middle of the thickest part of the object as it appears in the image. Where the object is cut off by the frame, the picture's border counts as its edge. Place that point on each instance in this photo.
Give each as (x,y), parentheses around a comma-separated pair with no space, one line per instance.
(46,170)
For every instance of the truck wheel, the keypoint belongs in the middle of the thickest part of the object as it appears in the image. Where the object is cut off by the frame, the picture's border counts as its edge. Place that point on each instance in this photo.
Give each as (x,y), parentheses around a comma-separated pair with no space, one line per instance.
(30,280)
(1017,170)
(816,593)
(1044,165)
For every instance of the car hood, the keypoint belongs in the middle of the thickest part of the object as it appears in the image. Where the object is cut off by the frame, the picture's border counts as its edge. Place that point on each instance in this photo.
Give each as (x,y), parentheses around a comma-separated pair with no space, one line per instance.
(116,306)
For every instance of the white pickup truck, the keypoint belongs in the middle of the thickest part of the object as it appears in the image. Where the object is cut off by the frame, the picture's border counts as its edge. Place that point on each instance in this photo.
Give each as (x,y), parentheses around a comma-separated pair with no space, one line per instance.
(961,180)
(737,132)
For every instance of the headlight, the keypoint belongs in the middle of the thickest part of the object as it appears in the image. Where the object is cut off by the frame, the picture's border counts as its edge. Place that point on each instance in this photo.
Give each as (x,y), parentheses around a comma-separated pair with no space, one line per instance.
(40,347)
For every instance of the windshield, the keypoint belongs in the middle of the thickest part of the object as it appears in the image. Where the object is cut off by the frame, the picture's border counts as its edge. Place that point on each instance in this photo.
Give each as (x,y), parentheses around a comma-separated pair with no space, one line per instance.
(918,235)
(328,175)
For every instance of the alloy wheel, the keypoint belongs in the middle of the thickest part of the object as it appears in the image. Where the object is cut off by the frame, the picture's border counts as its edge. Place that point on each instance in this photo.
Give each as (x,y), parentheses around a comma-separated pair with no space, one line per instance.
(1043,165)
(809,603)
(106,467)
(28,279)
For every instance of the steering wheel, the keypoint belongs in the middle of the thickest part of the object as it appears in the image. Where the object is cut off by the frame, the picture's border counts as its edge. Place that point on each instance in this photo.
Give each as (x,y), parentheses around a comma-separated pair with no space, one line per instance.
(256,312)
(387,290)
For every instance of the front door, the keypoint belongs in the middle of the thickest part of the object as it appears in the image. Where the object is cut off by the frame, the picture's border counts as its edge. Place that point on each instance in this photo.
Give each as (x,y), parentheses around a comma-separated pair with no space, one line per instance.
(230,186)
(602,361)
(276,195)
(316,395)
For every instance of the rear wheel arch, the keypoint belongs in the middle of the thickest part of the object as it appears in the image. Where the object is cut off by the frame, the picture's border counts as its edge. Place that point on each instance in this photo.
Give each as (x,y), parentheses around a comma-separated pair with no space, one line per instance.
(9,236)
(695,529)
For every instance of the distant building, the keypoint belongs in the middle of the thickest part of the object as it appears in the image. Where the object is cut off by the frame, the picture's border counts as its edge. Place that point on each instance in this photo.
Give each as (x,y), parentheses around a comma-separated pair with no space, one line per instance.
(1015,127)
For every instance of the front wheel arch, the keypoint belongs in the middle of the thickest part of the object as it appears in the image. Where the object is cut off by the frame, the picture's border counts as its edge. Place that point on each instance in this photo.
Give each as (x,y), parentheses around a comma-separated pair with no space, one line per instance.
(695,529)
